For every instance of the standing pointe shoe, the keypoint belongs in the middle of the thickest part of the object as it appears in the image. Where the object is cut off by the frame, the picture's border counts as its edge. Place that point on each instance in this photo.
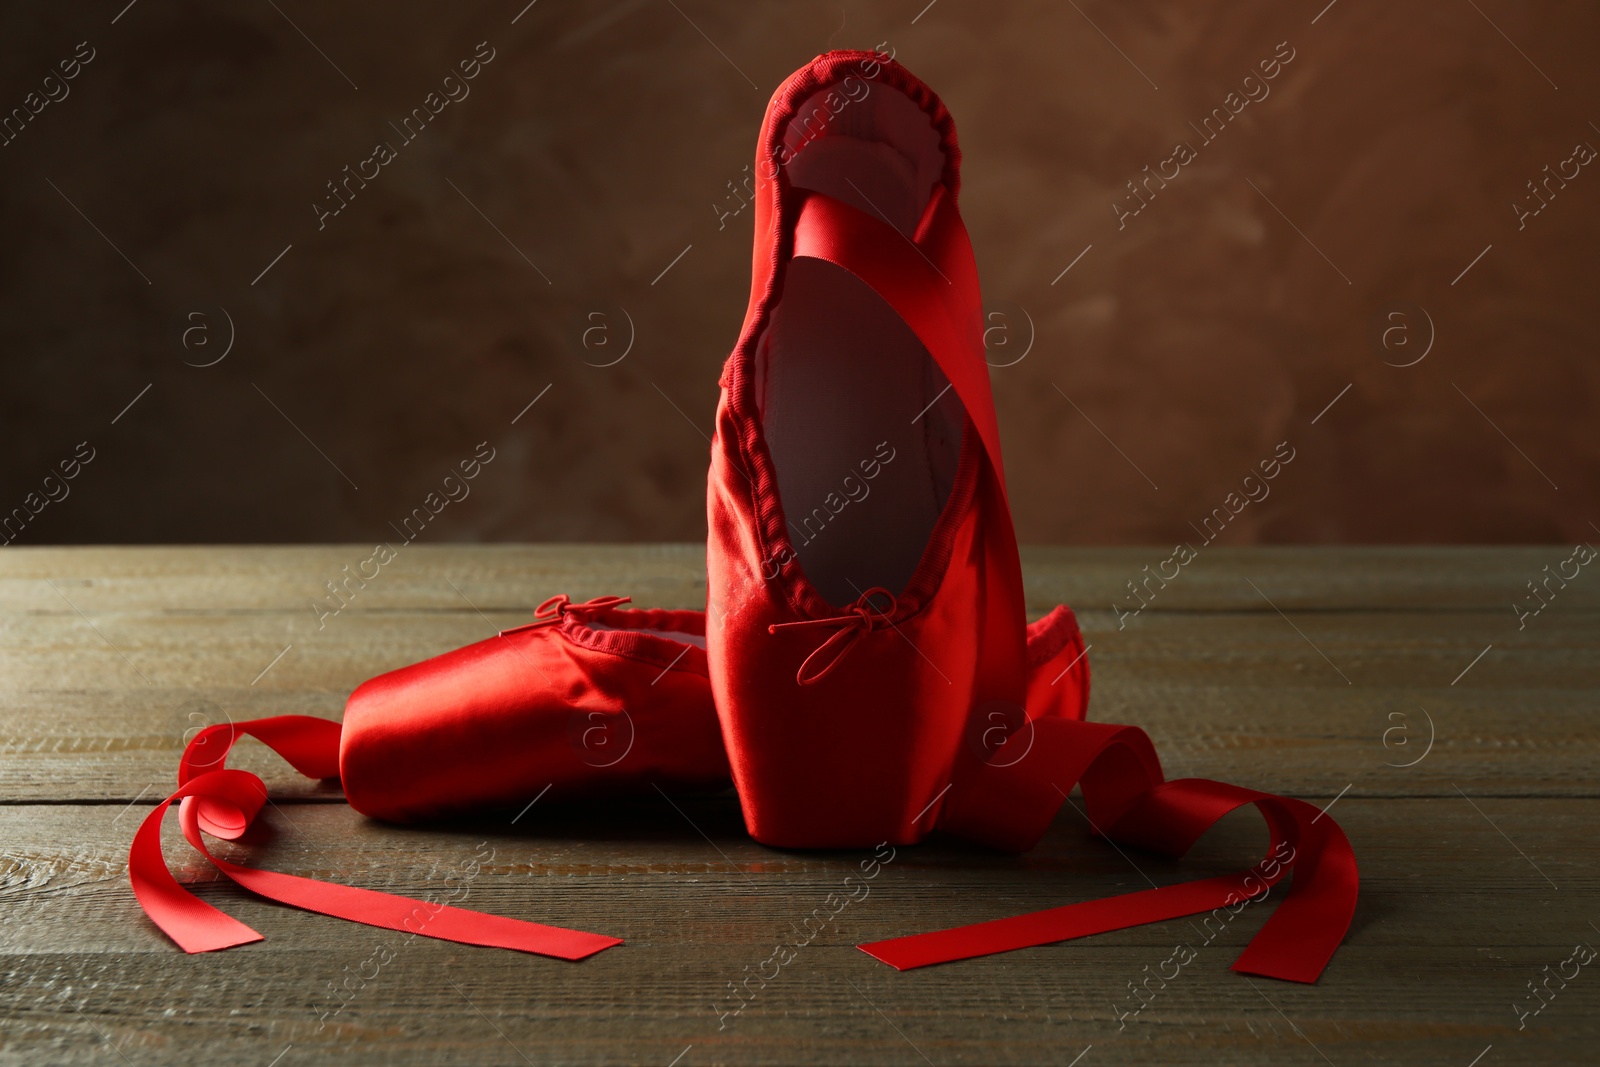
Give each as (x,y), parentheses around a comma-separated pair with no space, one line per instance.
(865,596)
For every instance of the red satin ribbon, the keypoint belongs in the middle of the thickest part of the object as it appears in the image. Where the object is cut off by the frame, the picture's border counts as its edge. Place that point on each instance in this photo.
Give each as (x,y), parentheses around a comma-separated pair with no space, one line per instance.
(223,802)
(1128,800)
(931,282)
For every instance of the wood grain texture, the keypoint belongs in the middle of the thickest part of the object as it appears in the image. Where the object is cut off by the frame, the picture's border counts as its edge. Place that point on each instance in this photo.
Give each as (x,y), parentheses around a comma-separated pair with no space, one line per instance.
(1479,862)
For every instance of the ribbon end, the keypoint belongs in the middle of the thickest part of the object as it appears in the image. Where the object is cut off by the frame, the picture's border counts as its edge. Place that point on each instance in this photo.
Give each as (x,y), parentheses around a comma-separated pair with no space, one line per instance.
(1304,977)
(194,948)
(878,951)
(1301,961)
(594,944)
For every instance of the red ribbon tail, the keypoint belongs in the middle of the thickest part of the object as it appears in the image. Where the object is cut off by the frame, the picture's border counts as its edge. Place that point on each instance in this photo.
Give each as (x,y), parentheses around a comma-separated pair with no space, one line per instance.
(195,925)
(1055,924)
(1128,801)
(224,804)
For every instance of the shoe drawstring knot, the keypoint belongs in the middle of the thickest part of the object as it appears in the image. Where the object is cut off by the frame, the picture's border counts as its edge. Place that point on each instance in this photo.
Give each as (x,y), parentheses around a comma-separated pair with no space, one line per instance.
(560,606)
(860,618)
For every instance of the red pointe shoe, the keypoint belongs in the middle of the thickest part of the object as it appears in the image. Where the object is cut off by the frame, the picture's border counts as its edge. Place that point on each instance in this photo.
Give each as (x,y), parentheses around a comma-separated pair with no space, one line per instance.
(586,699)
(865,597)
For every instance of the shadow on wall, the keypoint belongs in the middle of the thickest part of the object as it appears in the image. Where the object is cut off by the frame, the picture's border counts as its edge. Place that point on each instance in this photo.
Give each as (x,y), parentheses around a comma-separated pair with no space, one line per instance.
(276,281)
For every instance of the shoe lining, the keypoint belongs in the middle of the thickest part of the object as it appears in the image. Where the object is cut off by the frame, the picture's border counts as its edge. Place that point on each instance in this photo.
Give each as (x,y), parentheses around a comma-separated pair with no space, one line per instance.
(863,431)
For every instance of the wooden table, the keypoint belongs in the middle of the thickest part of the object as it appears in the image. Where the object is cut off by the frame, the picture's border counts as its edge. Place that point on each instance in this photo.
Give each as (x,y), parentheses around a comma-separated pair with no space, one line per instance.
(1458,751)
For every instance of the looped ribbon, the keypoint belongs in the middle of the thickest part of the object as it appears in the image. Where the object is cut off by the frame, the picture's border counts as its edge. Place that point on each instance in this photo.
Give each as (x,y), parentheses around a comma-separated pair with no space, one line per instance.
(558,607)
(860,618)
(1128,800)
(223,803)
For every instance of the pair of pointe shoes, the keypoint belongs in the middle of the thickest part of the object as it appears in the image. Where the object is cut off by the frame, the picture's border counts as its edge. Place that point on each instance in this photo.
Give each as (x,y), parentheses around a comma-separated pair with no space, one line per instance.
(863,674)
(865,648)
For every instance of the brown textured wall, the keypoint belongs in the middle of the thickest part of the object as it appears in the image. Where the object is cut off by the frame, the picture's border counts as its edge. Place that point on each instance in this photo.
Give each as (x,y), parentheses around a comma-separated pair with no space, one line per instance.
(594,147)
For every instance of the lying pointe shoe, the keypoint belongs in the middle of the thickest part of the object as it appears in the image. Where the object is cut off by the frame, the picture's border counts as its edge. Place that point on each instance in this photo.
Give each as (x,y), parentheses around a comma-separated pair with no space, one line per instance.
(586,699)
(864,593)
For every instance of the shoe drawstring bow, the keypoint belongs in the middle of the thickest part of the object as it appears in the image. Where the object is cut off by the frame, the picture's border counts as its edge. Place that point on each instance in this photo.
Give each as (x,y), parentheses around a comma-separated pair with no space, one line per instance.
(860,618)
(560,606)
